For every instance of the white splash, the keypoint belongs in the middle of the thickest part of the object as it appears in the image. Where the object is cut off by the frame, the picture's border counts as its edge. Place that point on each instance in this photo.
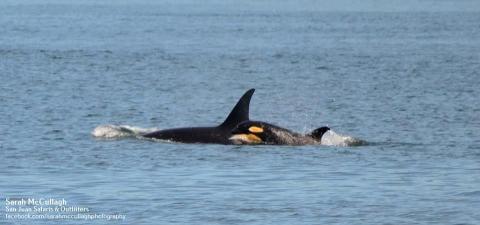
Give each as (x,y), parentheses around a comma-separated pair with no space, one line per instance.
(119,131)
(331,138)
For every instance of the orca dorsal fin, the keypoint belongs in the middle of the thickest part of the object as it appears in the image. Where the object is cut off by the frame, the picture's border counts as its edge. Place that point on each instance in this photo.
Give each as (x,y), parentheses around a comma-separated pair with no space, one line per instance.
(240,112)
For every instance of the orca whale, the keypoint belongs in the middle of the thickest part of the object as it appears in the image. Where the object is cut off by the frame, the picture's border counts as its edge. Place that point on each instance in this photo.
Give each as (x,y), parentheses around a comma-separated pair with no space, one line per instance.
(214,135)
(258,132)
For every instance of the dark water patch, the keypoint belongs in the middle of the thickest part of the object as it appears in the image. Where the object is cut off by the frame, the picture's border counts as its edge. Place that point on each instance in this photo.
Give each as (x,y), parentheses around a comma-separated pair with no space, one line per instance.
(470,193)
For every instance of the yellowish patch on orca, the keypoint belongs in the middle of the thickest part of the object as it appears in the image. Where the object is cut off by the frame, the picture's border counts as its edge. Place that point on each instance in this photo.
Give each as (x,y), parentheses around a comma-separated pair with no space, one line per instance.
(255,129)
(246,138)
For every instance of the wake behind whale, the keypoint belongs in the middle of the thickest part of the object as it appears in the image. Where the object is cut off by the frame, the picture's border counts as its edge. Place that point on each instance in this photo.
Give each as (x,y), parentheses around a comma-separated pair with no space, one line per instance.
(110,131)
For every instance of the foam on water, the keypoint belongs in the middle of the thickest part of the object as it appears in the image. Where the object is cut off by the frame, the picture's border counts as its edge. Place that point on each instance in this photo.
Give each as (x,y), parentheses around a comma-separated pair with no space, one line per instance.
(111,131)
(331,138)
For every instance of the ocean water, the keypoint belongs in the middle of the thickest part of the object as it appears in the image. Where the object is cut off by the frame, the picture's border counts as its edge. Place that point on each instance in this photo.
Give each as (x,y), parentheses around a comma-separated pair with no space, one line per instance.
(402,76)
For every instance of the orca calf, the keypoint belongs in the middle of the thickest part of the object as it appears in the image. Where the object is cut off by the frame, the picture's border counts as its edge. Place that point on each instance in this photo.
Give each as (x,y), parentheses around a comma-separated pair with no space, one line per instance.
(258,132)
(214,135)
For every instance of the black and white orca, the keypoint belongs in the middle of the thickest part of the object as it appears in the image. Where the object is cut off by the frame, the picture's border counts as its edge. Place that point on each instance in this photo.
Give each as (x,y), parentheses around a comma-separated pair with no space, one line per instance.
(214,135)
(238,129)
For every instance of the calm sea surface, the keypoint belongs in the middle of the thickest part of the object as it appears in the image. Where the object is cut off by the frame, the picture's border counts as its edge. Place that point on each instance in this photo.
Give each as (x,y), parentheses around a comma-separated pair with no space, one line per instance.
(403,77)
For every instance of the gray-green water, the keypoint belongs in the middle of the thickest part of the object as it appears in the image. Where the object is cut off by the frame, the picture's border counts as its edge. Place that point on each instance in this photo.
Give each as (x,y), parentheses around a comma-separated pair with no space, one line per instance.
(404,77)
